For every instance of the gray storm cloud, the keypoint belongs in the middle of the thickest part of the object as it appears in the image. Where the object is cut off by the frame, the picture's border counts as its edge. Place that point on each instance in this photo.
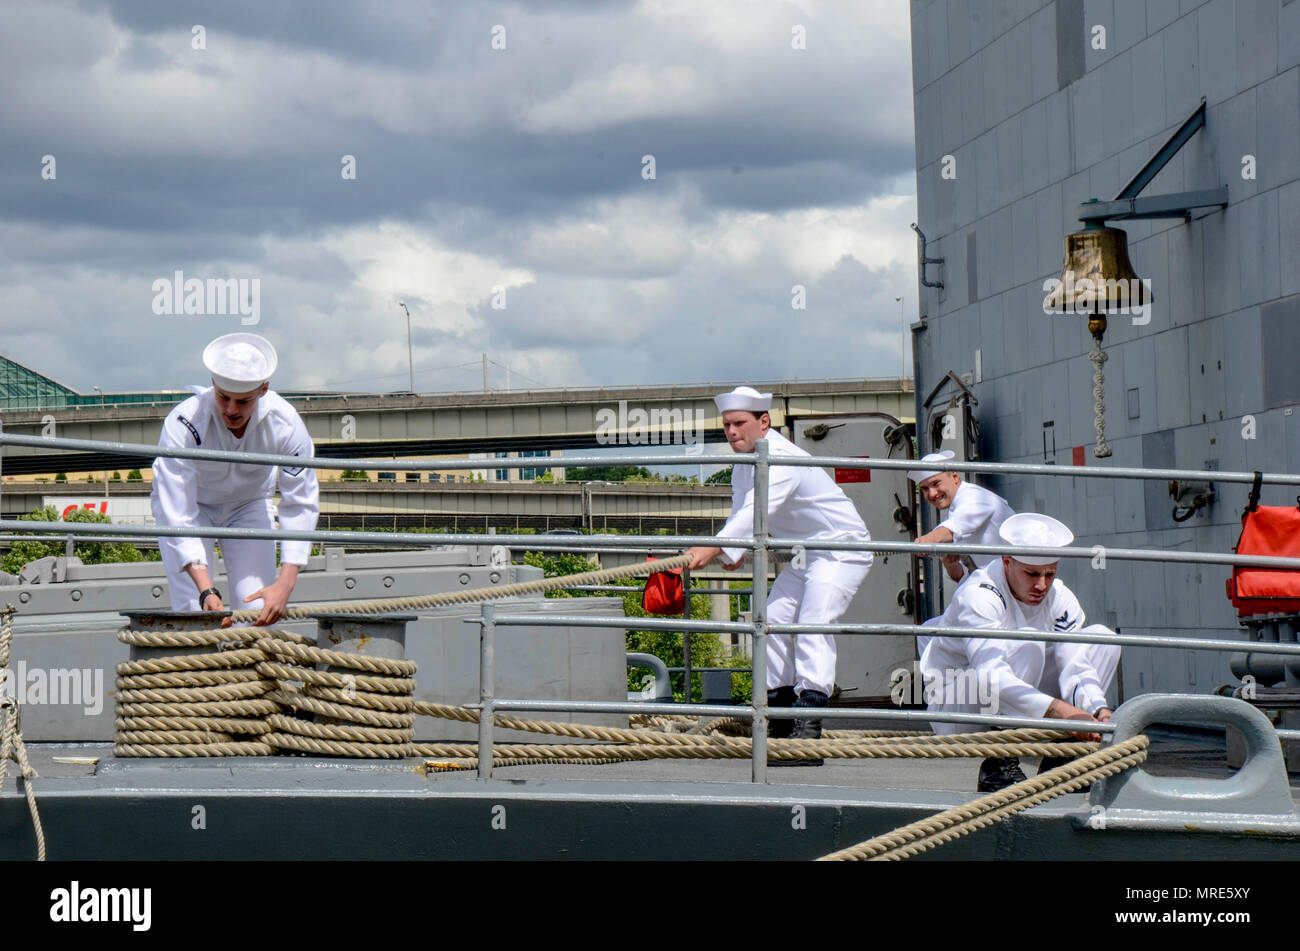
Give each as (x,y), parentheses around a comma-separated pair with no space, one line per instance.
(501,192)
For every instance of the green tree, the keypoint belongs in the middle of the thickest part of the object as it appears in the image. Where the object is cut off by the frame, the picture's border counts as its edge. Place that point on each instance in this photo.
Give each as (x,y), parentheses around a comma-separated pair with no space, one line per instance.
(91,553)
(134,476)
(721,477)
(605,473)
(61,477)
(707,650)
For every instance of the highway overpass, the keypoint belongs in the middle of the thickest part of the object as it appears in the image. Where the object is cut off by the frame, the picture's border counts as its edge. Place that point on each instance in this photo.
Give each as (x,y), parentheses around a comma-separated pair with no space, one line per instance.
(640,506)
(456,424)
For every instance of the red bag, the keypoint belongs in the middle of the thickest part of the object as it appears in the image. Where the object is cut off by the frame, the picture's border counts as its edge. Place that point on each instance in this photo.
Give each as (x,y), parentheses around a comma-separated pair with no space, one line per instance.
(1267,530)
(663,592)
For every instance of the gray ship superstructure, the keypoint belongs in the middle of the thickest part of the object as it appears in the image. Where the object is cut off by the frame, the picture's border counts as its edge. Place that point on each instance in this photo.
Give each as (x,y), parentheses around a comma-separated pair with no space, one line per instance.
(1025,111)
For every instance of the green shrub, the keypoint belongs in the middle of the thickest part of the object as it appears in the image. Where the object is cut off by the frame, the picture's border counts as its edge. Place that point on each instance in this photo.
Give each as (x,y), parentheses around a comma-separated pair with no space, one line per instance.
(91,553)
(707,650)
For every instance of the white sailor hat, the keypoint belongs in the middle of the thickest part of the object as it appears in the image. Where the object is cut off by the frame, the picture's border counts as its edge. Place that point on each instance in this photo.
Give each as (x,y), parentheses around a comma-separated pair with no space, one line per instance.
(240,362)
(744,397)
(934,458)
(1032,530)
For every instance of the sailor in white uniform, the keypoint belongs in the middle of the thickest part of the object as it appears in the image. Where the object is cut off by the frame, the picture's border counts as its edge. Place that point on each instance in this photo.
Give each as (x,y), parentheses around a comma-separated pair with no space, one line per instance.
(972,515)
(802,502)
(238,412)
(1057,680)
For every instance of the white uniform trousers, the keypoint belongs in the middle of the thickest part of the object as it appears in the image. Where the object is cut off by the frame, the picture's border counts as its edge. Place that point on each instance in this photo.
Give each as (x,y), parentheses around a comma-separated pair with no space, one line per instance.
(1079,674)
(817,593)
(250,562)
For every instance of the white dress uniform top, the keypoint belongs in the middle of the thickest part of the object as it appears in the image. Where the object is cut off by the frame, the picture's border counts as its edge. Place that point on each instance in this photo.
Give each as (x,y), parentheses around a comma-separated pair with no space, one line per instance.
(974,517)
(193,492)
(803,502)
(1013,678)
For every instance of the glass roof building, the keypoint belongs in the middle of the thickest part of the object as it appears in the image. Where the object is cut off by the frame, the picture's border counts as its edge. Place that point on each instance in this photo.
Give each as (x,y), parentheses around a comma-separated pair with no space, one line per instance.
(22,388)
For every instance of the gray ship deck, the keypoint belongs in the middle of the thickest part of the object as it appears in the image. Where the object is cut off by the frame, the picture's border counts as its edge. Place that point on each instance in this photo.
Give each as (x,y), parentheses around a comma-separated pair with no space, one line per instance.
(309,808)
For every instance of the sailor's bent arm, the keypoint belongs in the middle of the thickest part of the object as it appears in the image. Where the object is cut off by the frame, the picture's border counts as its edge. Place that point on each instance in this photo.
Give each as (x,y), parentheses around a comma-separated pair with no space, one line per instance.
(1066,608)
(936,536)
(299,499)
(176,482)
(966,518)
(784,480)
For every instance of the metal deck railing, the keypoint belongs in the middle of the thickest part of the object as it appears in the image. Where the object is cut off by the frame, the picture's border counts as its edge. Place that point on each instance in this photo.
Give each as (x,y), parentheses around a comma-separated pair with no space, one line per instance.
(760,544)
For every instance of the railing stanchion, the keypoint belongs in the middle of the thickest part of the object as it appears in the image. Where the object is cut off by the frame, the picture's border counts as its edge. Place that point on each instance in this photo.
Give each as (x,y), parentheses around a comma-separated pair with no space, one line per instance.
(486,690)
(686,635)
(758,608)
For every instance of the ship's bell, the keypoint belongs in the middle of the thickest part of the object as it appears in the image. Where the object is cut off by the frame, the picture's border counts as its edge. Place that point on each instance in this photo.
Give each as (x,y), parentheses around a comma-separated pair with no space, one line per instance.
(1097,278)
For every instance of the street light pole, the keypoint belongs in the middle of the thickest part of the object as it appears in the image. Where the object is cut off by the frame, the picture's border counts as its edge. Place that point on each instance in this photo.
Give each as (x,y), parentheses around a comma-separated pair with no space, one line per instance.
(101,404)
(410,360)
(902,335)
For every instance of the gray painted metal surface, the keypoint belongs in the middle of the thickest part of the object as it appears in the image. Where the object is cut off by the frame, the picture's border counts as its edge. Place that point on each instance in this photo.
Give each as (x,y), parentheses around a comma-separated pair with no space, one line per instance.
(660,683)
(1034,118)
(303,808)
(864,667)
(1257,798)
(69,646)
(375,635)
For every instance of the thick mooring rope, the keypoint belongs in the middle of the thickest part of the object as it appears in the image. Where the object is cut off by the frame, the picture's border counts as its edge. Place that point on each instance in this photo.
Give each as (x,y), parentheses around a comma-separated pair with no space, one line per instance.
(953,823)
(11,737)
(210,709)
(847,744)
(253,693)
(470,595)
(776,750)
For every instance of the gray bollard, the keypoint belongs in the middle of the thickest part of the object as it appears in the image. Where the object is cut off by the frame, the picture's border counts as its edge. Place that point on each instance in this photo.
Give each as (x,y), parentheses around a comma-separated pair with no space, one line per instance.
(375,635)
(159,621)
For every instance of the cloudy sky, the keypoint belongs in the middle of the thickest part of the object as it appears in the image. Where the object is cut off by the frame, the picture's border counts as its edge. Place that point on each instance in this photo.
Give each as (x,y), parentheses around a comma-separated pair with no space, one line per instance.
(589,193)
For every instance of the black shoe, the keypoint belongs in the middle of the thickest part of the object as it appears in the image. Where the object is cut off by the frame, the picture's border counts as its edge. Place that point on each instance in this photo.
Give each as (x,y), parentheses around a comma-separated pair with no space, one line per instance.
(780,729)
(806,728)
(999,773)
(1051,762)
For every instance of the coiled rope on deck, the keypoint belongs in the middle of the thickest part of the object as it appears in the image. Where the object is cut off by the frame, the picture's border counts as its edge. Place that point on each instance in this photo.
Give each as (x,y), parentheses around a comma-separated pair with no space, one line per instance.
(953,823)
(195,705)
(253,694)
(11,737)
